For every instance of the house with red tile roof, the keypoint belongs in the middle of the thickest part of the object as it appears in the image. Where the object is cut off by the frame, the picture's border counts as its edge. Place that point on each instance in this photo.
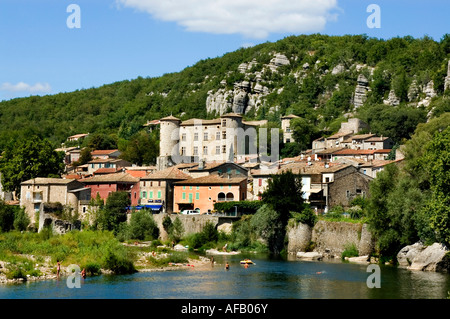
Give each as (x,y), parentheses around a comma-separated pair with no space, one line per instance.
(156,189)
(105,184)
(202,192)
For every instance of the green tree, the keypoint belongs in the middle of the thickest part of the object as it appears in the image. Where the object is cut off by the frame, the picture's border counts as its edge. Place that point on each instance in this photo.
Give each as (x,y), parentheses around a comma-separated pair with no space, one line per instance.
(269,226)
(143,148)
(31,158)
(304,132)
(282,195)
(436,162)
(143,226)
(114,212)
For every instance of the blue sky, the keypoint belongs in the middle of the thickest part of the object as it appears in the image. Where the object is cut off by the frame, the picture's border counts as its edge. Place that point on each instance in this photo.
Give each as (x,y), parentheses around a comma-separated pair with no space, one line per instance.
(124,39)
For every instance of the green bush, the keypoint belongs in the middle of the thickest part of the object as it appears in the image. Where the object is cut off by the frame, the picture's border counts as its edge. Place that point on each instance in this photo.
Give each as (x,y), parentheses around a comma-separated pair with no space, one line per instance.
(350,251)
(93,268)
(118,262)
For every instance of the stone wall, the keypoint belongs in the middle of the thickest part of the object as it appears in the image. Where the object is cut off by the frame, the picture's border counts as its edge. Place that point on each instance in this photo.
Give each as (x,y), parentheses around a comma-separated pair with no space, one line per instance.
(330,238)
(193,223)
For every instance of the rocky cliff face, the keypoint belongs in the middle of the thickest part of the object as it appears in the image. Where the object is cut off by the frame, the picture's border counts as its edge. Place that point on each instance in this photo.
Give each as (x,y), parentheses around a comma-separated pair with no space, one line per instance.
(447,79)
(361,91)
(246,95)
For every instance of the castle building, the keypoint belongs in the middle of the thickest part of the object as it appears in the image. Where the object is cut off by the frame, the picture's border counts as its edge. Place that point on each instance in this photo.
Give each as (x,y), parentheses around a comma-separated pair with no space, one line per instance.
(228,138)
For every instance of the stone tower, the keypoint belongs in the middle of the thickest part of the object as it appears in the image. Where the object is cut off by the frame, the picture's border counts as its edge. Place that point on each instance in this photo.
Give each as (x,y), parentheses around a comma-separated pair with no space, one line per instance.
(232,122)
(169,137)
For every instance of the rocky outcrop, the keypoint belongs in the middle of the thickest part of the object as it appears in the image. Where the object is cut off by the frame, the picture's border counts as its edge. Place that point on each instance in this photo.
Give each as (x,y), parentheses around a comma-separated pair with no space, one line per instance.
(309,255)
(407,254)
(360,91)
(432,258)
(413,91)
(447,78)
(429,94)
(424,258)
(277,61)
(392,99)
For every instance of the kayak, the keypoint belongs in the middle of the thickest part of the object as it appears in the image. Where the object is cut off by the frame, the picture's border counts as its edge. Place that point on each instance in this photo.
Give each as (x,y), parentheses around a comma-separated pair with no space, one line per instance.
(246,261)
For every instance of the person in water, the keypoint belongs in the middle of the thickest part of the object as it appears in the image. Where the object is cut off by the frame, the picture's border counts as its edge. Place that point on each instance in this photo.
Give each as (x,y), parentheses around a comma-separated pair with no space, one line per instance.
(227,266)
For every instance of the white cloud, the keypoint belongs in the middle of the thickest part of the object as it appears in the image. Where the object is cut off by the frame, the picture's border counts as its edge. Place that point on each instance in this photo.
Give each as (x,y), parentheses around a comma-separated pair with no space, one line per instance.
(26,88)
(251,18)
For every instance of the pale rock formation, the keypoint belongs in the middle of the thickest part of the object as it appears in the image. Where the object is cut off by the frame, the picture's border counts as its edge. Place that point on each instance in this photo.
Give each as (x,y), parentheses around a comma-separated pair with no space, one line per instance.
(413,91)
(360,91)
(432,258)
(277,61)
(338,69)
(447,78)
(429,94)
(309,255)
(392,99)
(407,254)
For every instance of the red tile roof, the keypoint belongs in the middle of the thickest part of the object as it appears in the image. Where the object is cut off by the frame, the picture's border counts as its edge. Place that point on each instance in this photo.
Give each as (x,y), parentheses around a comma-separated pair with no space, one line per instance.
(212,180)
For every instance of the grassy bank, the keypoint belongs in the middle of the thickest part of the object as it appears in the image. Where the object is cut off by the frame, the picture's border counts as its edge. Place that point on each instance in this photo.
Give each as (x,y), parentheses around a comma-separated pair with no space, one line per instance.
(25,253)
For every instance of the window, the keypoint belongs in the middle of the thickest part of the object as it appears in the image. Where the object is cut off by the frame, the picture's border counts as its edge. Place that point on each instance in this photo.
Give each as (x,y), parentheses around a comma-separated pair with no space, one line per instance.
(197,195)
(205,150)
(151,184)
(221,197)
(217,135)
(224,135)
(190,187)
(195,150)
(348,194)
(260,182)
(198,187)
(218,150)
(183,137)
(151,195)
(144,194)
(224,149)
(183,196)
(205,136)
(327,179)
(159,194)
(224,122)
(230,197)
(190,197)
(183,150)
(195,136)
(184,187)
(288,129)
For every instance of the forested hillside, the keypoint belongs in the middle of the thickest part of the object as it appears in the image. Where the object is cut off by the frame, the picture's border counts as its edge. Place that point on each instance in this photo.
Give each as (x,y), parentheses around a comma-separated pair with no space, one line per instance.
(316,80)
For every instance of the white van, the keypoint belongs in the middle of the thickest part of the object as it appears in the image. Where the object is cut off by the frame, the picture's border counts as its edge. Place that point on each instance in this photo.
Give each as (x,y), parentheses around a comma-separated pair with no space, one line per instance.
(190,212)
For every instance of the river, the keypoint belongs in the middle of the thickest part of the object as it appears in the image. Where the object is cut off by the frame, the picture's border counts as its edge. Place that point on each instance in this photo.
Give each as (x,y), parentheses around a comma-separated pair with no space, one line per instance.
(269,278)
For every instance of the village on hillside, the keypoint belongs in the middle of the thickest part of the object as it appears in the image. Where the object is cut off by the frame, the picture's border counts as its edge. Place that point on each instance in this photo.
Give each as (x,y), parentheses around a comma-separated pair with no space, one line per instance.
(204,164)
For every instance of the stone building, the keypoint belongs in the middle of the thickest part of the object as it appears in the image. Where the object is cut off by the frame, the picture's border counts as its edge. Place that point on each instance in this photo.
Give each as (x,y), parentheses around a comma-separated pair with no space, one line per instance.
(346,185)
(36,192)
(227,138)
(156,189)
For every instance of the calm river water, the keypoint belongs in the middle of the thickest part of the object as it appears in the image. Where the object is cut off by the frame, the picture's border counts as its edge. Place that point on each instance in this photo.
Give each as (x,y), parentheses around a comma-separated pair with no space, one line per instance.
(269,278)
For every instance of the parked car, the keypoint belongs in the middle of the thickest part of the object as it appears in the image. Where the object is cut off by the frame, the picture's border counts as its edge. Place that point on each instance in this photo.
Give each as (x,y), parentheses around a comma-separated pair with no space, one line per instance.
(190,212)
